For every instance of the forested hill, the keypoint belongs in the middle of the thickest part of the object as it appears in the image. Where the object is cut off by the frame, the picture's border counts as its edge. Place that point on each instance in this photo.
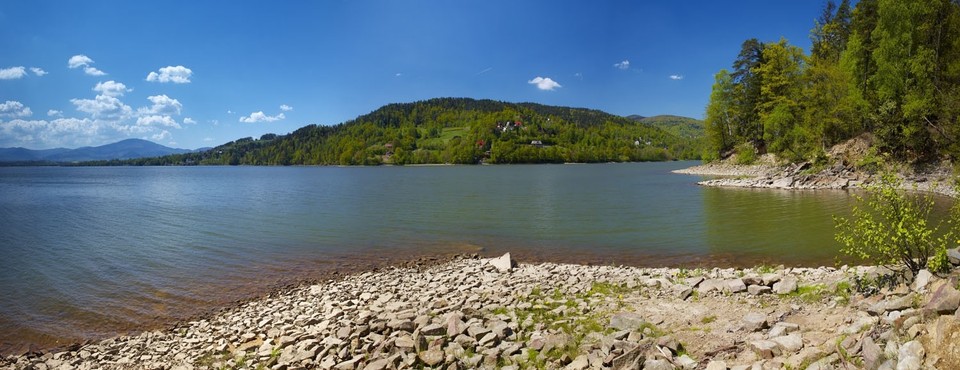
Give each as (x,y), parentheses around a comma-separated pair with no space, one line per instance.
(886,67)
(453,130)
(683,127)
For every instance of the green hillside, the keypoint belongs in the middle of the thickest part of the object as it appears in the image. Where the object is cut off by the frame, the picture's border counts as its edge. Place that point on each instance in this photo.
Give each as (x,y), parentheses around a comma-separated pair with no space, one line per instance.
(453,130)
(682,127)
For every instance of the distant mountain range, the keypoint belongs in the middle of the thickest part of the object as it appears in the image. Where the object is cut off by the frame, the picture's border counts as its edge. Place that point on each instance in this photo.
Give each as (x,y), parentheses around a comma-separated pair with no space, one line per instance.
(125,149)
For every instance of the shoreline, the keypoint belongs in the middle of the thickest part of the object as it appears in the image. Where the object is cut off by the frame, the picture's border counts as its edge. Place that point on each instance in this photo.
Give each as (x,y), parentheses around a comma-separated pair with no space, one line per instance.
(468,312)
(801,177)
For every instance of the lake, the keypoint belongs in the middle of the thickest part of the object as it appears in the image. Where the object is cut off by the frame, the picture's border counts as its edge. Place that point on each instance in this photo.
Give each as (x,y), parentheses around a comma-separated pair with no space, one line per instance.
(93,252)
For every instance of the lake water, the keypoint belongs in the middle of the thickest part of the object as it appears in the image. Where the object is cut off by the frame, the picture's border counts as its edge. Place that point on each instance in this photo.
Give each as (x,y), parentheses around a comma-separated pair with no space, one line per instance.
(92,252)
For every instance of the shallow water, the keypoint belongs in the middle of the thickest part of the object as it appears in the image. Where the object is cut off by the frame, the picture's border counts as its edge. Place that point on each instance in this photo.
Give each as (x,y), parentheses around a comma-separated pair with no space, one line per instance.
(92,252)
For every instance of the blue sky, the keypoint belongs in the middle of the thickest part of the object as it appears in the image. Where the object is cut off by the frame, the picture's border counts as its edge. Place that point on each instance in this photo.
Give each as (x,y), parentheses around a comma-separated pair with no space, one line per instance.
(193,74)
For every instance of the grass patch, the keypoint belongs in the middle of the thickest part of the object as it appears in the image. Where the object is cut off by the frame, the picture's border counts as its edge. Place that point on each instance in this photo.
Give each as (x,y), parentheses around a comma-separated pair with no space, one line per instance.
(708,319)
(808,293)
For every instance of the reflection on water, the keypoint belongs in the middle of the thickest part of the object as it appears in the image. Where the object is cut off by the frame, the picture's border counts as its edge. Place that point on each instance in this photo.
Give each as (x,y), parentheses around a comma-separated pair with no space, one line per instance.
(90,252)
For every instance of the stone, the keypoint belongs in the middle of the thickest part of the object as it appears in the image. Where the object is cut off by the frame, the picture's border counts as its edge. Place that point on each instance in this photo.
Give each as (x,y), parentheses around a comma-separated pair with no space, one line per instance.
(710,285)
(770,279)
(656,364)
(502,263)
(765,349)
(629,321)
(752,280)
(735,286)
(693,282)
(630,358)
(782,328)
(579,363)
(790,343)
(872,354)
(754,321)
(684,292)
(405,342)
(758,289)
(954,256)
(349,364)
(433,330)
(686,362)
(455,326)
(910,356)
(944,300)
(786,285)
(922,280)
(431,357)
(716,365)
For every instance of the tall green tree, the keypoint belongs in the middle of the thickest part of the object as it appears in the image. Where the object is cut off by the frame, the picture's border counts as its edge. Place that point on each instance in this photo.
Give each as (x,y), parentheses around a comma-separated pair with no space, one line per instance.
(720,116)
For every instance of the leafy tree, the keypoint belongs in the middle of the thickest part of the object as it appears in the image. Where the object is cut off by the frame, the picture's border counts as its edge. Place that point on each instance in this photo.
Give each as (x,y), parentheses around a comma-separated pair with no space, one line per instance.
(720,121)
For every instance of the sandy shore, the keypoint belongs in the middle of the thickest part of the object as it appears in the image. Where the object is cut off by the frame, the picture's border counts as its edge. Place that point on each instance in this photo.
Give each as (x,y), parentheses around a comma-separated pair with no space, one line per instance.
(490,313)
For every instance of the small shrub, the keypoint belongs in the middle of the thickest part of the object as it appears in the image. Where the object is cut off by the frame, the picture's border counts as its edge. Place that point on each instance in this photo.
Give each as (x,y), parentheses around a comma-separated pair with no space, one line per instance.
(746,154)
(893,228)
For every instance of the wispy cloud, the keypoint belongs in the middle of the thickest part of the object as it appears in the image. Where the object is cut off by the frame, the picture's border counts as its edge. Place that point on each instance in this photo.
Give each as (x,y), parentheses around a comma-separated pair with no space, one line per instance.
(189,121)
(676,77)
(38,71)
(485,70)
(398,74)
(544,83)
(285,108)
(261,117)
(622,65)
(12,108)
(175,74)
(12,73)
(84,61)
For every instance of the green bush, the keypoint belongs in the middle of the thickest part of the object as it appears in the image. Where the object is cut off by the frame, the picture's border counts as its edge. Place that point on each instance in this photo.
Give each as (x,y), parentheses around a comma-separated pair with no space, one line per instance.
(891,227)
(746,154)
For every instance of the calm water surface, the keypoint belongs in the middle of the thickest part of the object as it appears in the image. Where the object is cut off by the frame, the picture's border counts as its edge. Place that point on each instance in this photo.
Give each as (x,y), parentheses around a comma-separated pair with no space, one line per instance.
(92,252)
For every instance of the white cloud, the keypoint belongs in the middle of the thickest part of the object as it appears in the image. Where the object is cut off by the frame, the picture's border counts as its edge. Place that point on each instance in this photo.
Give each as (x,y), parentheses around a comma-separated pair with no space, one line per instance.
(207,139)
(398,74)
(111,88)
(162,135)
(230,111)
(12,73)
(41,134)
(544,83)
(13,108)
(622,65)
(260,117)
(162,104)
(38,71)
(177,75)
(157,120)
(189,121)
(485,70)
(676,77)
(84,61)
(93,71)
(78,61)
(104,106)
(55,113)
(285,107)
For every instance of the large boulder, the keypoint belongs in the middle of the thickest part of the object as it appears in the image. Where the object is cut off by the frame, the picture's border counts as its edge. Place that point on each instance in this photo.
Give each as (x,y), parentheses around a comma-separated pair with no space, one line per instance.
(944,300)
(786,285)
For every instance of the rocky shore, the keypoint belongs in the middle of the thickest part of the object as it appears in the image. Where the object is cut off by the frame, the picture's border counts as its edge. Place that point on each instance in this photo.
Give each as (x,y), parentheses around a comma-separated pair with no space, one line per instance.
(492,313)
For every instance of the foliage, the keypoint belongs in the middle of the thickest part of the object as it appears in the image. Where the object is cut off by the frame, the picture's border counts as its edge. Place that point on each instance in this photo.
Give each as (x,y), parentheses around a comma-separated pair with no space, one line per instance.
(746,154)
(892,227)
(889,67)
(455,130)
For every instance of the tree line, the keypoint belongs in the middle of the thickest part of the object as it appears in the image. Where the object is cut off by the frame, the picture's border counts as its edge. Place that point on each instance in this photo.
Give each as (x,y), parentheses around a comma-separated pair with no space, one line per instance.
(886,67)
(452,130)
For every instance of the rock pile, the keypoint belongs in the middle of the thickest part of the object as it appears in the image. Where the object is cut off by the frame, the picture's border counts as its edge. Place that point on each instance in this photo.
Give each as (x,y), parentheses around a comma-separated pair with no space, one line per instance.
(477,313)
